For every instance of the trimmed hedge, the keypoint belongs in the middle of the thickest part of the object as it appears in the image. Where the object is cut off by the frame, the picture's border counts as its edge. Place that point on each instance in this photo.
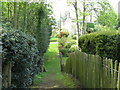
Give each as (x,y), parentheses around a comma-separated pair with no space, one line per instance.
(104,44)
(20,49)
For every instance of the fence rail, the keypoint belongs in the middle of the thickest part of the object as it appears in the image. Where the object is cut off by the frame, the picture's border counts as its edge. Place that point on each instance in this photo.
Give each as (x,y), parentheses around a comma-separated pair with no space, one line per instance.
(92,71)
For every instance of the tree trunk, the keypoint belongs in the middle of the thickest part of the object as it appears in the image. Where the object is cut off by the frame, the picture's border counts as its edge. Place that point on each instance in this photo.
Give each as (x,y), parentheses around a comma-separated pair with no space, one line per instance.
(60,23)
(11,12)
(84,10)
(24,20)
(8,11)
(77,23)
(18,15)
(15,14)
(61,64)
(6,82)
(0,63)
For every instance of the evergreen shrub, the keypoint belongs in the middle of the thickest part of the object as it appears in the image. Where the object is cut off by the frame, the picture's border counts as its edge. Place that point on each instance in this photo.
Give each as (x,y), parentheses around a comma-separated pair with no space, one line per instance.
(104,44)
(20,49)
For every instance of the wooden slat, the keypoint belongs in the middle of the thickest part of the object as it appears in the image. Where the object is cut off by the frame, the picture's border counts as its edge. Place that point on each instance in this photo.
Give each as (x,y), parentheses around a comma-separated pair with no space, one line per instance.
(92,71)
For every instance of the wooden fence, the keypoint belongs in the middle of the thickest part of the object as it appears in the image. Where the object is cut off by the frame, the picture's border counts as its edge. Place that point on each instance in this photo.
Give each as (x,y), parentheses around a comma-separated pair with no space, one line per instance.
(92,71)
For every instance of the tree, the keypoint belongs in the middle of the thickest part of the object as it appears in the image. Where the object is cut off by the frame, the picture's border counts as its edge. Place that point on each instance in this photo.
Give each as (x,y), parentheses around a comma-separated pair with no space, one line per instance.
(84,15)
(74,4)
(15,15)
(106,15)
(24,20)
(36,21)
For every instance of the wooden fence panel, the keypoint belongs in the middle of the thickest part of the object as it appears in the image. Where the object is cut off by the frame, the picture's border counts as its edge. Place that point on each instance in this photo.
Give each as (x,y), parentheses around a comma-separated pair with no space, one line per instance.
(115,74)
(118,77)
(93,71)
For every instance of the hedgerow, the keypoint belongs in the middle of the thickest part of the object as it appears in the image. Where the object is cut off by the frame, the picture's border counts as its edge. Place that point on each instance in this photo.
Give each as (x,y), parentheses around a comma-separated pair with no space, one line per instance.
(26,51)
(20,49)
(104,44)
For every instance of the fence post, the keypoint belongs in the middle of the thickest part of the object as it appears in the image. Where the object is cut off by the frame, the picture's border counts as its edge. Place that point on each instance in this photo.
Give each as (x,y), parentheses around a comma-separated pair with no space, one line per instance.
(112,77)
(119,77)
(93,71)
(115,74)
(61,65)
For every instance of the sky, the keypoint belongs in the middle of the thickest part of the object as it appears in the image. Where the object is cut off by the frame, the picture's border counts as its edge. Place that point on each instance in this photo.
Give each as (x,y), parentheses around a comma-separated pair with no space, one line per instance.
(114,4)
(60,6)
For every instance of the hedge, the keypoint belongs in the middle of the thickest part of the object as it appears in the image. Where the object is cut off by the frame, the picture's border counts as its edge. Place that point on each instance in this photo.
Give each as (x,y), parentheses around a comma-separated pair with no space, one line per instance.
(21,50)
(104,44)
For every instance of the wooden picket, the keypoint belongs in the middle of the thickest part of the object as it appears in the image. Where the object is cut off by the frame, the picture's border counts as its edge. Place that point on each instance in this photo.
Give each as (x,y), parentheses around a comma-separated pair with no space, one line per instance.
(93,71)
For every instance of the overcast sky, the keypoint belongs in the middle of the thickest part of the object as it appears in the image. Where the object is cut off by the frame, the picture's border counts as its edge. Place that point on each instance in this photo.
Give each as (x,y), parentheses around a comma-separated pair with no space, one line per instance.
(114,4)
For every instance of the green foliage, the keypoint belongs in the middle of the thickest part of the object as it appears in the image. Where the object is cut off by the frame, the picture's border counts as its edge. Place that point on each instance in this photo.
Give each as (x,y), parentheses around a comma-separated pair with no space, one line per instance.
(53,71)
(118,22)
(62,41)
(66,46)
(103,28)
(33,18)
(63,34)
(105,44)
(20,49)
(64,51)
(90,25)
(36,20)
(106,15)
(73,37)
(73,48)
(44,29)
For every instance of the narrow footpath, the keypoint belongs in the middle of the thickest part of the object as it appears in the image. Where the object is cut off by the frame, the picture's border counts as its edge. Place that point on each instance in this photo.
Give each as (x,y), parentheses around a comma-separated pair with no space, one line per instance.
(54,78)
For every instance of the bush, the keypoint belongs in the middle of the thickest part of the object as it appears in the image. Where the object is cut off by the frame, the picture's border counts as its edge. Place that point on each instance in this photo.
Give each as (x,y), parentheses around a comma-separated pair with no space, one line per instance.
(69,44)
(103,28)
(73,37)
(20,49)
(104,44)
(73,48)
(43,30)
(64,51)
(65,45)
(63,34)
(62,41)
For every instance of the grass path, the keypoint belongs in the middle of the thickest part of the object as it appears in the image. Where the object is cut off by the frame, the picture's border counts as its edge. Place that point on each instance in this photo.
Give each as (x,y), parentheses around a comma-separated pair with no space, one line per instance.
(53,78)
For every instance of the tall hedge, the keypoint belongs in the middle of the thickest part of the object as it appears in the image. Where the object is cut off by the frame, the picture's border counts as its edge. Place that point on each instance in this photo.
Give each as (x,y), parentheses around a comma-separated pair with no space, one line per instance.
(24,51)
(21,50)
(104,44)
(44,28)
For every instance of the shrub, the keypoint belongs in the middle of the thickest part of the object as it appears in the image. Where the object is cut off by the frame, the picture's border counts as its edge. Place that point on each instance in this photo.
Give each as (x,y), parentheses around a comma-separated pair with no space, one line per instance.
(73,37)
(68,44)
(73,48)
(20,49)
(64,51)
(43,29)
(63,34)
(103,28)
(104,44)
(65,45)
(62,41)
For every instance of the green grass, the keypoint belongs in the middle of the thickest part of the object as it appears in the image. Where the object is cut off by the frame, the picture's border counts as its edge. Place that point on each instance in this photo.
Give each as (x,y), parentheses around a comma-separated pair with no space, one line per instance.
(53,67)
(53,39)
(38,78)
